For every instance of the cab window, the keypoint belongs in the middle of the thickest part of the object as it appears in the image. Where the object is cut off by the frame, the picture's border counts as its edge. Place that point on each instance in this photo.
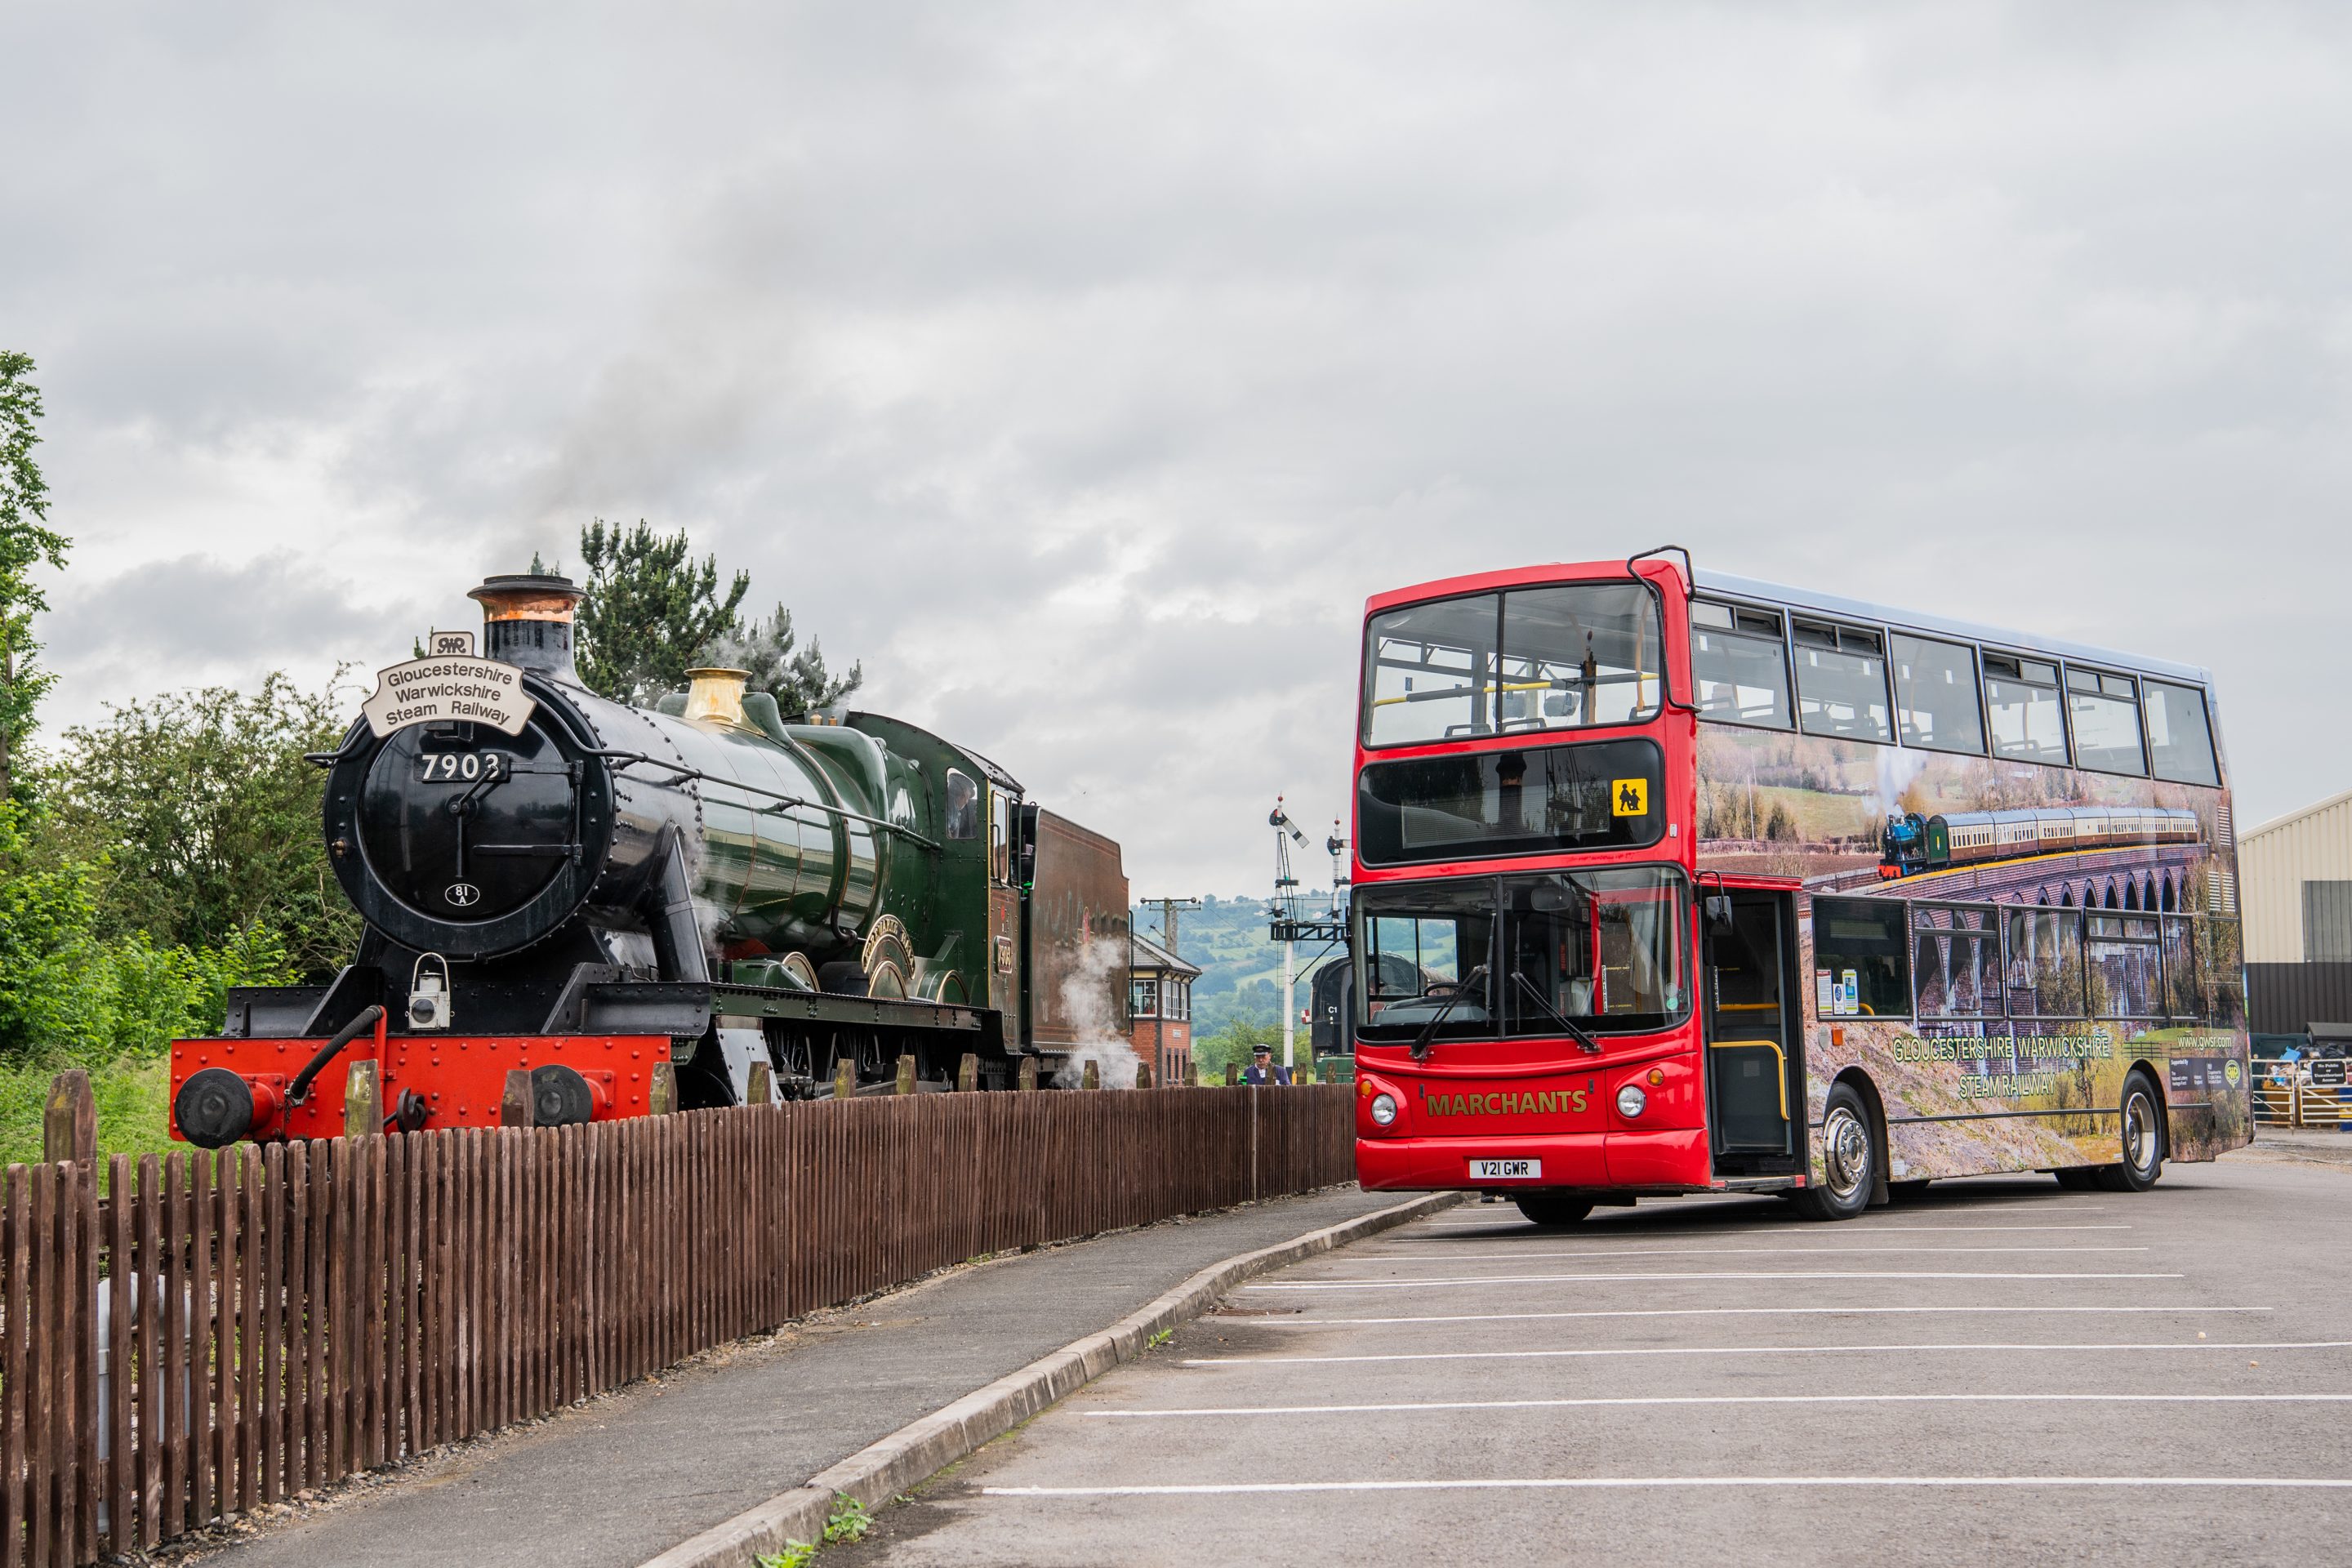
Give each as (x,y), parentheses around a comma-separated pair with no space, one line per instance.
(1000,836)
(963,806)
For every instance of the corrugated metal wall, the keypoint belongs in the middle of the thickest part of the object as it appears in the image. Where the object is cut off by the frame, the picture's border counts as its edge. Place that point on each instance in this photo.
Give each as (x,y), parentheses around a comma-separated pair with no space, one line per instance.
(2287,998)
(2273,863)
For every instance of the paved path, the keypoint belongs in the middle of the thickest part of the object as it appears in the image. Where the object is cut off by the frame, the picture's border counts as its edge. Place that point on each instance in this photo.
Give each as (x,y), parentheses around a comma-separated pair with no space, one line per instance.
(2005,1371)
(616,1481)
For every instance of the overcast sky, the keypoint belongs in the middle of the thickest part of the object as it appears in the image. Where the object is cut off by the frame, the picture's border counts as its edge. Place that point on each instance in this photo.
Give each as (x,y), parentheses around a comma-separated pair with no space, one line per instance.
(1082,368)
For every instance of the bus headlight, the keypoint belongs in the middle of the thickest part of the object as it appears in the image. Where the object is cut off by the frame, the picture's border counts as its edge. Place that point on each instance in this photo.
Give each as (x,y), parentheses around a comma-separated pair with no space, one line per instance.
(1631,1101)
(1383,1109)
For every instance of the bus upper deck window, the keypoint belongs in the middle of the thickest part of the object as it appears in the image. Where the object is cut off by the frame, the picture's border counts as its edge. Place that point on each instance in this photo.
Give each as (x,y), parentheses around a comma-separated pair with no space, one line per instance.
(2179,737)
(1740,665)
(2021,701)
(2105,711)
(1429,671)
(1936,695)
(1840,682)
(1578,654)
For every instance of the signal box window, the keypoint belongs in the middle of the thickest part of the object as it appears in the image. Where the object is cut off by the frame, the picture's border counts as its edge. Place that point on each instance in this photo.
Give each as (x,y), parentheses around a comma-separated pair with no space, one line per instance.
(2021,701)
(1936,695)
(1143,998)
(963,806)
(1955,962)
(1566,657)
(1425,956)
(2105,709)
(1861,953)
(2125,967)
(2043,954)
(1740,665)
(1840,682)
(2180,739)
(1603,794)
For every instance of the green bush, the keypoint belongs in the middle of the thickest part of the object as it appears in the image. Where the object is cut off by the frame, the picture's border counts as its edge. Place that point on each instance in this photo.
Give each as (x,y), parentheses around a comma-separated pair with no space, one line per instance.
(133,1102)
(72,997)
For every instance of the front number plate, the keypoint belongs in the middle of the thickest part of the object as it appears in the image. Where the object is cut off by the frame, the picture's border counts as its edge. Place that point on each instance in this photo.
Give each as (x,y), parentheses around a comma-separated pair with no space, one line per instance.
(1506,1170)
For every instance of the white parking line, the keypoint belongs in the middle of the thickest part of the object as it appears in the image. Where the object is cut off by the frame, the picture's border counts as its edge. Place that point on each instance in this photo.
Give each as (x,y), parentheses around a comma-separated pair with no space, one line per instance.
(1605,1253)
(1289,1322)
(1711,1274)
(1602,1483)
(1585,1352)
(1931,1229)
(1727,1399)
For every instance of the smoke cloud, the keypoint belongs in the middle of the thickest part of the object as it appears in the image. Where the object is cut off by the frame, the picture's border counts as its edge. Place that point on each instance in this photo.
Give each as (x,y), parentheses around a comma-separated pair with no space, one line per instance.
(1086,995)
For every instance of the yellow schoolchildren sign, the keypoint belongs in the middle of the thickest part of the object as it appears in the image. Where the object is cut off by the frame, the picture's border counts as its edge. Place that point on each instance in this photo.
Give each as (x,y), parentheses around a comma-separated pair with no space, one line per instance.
(1629,798)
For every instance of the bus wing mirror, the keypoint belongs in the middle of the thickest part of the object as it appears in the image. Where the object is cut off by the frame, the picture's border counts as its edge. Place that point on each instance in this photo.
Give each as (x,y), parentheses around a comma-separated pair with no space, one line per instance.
(1719,914)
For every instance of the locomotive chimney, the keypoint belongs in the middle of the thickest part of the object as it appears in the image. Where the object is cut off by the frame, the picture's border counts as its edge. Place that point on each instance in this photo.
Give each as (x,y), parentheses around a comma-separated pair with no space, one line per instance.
(717,695)
(527,621)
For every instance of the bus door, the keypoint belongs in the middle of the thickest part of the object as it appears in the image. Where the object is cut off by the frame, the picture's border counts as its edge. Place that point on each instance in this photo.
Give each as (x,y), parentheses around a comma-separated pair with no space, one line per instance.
(1754,1028)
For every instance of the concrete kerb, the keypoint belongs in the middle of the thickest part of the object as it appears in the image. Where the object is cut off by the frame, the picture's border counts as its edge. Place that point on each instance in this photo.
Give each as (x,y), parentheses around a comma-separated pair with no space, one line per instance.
(922,1448)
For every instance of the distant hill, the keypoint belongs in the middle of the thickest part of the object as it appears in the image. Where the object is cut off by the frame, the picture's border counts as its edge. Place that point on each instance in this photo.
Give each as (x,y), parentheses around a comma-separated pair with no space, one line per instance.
(1242,969)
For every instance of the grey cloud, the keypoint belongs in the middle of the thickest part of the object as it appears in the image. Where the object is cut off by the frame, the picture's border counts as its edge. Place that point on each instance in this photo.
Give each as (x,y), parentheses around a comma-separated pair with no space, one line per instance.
(1083,370)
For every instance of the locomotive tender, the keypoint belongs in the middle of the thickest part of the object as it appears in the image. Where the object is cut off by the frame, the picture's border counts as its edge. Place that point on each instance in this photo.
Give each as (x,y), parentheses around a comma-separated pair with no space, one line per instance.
(636,906)
(1913,843)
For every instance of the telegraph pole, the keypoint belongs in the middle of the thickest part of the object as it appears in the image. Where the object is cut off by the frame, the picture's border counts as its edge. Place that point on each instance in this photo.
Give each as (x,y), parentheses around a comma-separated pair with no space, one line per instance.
(1168,908)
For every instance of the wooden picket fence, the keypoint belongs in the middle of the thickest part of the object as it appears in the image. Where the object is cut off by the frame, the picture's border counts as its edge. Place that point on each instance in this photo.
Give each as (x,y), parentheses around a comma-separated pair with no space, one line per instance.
(216,1331)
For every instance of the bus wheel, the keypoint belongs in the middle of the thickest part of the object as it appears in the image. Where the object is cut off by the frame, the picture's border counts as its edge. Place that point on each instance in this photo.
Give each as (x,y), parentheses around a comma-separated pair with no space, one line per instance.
(1849,1160)
(2143,1132)
(1553,1212)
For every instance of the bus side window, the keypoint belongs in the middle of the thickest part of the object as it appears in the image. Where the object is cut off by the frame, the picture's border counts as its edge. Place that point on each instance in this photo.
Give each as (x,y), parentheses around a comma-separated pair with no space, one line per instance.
(1739,666)
(963,806)
(1841,681)
(2178,735)
(1862,958)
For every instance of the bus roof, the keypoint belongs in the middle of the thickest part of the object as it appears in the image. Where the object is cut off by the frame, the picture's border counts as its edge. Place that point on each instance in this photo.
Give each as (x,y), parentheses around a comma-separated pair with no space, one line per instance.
(1834,605)
(1840,608)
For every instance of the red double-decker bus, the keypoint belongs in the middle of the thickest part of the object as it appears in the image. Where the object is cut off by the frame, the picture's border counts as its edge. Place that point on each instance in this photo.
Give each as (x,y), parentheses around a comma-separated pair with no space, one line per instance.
(1670,882)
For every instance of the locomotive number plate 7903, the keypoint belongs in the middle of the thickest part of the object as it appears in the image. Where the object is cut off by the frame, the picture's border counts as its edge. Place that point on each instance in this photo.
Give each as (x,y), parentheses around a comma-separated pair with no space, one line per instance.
(462,767)
(1506,1170)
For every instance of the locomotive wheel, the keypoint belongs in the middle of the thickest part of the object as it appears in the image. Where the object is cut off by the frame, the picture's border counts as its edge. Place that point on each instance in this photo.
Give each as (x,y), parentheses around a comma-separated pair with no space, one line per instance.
(796,964)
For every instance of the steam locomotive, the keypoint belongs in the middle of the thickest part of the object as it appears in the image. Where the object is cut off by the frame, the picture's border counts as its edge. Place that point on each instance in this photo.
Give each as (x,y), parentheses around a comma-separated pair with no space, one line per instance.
(639,907)
(1913,843)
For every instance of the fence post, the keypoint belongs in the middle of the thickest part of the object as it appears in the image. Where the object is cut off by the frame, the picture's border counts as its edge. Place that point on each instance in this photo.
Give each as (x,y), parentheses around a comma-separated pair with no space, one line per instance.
(1092,1077)
(968,1073)
(844,1078)
(1028,1072)
(70,1119)
(515,1103)
(905,1076)
(1233,1075)
(661,1089)
(1143,1074)
(363,1099)
(762,1089)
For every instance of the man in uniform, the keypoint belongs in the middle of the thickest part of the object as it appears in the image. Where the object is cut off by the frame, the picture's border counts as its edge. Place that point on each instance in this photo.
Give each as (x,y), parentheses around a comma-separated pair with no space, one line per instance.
(1261,1069)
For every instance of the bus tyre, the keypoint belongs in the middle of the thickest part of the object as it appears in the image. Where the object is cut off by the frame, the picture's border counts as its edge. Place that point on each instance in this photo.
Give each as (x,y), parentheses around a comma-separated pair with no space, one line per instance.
(1849,1159)
(2143,1139)
(1553,1212)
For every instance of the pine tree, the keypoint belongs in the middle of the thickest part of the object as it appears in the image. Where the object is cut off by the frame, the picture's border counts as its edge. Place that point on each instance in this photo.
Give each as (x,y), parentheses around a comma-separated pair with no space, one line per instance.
(649,608)
(799,679)
(26,541)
